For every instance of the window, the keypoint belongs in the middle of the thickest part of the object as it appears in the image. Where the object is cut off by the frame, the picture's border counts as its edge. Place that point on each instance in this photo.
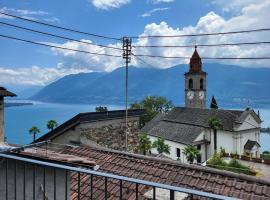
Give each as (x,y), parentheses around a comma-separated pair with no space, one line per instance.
(178,152)
(199,147)
(190,84)
(201,84)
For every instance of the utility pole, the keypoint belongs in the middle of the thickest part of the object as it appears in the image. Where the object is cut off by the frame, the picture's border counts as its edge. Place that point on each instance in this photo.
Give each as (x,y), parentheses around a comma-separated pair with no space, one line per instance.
(127,58)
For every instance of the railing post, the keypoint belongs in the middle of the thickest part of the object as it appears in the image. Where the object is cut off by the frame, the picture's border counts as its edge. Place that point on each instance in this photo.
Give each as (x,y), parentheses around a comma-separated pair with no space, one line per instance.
(15,180)
(91,185)
(137,191)
(172,195)
(54,184)
(79,185)
(24,182)
(121,191)
(7,179)
(106,181)
(154,193)
(34,182)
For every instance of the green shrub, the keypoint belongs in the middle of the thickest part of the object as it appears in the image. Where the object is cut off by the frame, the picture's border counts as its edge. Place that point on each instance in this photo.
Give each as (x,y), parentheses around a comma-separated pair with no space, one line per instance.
(233,166)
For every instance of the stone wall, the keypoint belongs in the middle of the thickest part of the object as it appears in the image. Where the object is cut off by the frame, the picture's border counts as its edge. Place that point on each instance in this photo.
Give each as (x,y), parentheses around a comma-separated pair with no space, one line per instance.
(111,134)
(106,133)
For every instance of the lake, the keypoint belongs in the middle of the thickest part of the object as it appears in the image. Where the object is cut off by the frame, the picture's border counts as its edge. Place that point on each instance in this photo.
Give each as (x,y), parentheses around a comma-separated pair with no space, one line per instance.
(18,120)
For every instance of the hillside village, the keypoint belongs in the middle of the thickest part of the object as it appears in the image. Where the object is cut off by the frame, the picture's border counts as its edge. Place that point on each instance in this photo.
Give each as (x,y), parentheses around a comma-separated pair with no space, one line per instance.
(134,100)
(96,141)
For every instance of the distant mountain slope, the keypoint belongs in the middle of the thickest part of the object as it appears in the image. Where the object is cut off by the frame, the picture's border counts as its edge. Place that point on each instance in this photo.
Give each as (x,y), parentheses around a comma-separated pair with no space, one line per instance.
(230,84)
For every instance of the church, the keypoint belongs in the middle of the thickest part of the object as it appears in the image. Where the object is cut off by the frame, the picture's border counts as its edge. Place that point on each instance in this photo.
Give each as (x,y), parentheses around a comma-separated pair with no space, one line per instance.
(189,125)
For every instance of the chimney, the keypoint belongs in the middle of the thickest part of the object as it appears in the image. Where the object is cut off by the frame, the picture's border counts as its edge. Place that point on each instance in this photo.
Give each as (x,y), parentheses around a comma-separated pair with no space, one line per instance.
(3,93)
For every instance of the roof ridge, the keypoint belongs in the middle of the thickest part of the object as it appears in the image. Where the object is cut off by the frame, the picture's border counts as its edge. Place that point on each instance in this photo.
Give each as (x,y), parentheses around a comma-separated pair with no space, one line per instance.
(176,163)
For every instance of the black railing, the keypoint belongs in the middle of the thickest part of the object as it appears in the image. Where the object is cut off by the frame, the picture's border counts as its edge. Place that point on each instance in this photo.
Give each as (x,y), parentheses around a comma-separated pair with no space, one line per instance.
(81,175)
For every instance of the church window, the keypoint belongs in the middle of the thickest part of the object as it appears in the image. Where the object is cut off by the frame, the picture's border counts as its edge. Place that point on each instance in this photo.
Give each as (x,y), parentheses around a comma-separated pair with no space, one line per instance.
(178,153)
(201,84)
(190,84)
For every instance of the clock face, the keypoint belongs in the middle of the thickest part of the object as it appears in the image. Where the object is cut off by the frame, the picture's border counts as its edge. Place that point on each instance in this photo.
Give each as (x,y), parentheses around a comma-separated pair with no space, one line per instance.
(201,94)
(190,95)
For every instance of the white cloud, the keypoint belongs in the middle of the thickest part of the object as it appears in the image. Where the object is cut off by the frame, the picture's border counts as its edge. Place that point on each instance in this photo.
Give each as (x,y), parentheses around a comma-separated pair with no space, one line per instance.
(109,4)
(29,14)
(162,1)
(252,16)
(149,13)
(235,6)
(35,75)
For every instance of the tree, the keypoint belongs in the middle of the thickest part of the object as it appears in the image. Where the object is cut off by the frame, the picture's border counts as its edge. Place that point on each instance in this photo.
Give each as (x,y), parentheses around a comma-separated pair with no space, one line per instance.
(144,143)
(215,124)
(153,105)
(101,109)
(161,146)
(191,153)
(214,103)
(52,124)
(34,131)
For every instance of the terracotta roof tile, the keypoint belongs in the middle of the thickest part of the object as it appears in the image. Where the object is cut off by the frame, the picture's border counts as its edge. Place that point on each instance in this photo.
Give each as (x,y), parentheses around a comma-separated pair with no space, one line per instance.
(161,171)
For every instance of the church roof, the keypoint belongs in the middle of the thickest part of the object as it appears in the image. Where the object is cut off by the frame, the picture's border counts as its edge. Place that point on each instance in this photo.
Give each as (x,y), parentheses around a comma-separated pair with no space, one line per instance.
(184,125)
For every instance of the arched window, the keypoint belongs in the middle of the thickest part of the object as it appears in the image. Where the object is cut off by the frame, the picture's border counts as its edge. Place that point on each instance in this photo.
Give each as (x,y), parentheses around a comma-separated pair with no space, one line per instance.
(201,84)
(190,84)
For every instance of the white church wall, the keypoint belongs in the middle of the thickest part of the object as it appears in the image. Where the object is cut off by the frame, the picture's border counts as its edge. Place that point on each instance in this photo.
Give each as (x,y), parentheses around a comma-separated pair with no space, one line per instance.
(173,151)
(248,123)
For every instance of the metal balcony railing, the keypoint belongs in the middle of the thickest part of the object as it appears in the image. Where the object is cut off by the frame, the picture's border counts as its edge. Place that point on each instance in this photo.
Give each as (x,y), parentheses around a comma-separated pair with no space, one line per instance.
(172,190)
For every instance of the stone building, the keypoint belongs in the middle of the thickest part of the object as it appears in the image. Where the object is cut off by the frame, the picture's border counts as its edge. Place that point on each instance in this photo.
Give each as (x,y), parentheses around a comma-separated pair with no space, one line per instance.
(105,129)
(3,93)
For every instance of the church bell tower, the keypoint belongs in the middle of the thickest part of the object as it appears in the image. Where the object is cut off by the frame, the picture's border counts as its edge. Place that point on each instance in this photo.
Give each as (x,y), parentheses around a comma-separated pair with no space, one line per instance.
(195,83)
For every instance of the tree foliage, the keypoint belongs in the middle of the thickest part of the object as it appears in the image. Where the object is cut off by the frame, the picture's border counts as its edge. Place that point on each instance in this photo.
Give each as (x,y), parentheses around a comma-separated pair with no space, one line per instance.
(215,123)
(52,124)
(161,146)
(101,109)
(191,153)
(153,105)
(34,131)
(214,103)
(145,144)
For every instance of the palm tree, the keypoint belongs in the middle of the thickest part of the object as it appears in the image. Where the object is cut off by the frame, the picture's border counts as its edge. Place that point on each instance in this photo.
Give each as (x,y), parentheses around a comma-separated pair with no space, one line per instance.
(161,146)
(215,124)
(34,130)
(144,143)
(191,153)
(52,124)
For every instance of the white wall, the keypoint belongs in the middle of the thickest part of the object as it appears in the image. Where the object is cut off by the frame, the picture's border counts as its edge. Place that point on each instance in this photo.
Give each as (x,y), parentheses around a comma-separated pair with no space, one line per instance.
(173,146)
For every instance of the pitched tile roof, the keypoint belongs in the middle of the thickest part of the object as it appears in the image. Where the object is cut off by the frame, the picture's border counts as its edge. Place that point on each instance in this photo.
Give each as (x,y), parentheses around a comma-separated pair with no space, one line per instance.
(160,171)
(88,118)
(183,124)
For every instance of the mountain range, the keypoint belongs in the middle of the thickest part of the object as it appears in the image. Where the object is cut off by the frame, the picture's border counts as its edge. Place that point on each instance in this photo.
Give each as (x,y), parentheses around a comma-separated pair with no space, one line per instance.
(231,85)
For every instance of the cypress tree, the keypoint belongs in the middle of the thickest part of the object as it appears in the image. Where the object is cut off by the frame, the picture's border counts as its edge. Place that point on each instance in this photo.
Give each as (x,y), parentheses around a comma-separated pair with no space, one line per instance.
(214,103)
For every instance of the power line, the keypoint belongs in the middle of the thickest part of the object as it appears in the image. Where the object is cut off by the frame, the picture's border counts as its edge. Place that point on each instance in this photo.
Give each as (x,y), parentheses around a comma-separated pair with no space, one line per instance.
(200,45)
(58,47)
(201,34)
(60,27)
(206,58)
(58,36)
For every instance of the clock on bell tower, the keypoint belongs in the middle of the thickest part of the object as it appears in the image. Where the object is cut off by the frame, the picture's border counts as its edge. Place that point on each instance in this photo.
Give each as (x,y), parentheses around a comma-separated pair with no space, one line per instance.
(195,83)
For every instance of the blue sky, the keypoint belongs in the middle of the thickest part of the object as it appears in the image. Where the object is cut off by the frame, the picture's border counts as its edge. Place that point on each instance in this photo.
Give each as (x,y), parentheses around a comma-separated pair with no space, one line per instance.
(28,64)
